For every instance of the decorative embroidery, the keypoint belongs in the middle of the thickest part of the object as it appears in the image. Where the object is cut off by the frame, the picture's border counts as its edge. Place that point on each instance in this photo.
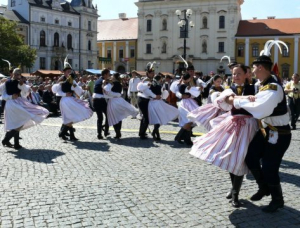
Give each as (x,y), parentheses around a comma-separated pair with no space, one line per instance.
(237,123)
(268,87)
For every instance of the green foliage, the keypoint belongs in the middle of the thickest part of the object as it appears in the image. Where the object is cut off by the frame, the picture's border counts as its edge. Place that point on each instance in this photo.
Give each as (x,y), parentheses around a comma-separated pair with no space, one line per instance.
(12,47)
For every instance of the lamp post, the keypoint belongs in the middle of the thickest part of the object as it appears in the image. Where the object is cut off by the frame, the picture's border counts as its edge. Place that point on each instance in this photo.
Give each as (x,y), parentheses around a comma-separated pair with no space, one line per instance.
(184,21)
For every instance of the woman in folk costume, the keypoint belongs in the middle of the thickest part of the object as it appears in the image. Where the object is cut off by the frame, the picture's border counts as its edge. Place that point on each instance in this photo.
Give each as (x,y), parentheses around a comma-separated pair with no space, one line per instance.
(19,114)
(144,96)
(160,113)
(228,80)
(117,108)
(73,110)
(186,90)
(226,145)
(204,114)
(269,145)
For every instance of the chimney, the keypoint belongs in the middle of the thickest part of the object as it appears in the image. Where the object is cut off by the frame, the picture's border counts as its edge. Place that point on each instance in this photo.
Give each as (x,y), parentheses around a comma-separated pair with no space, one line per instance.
(123,16)
(271,17)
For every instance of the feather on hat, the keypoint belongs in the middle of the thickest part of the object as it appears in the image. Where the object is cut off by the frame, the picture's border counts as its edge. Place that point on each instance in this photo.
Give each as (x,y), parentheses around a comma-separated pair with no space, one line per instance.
(67,65)
(230,64)
(9,64)
(150,66)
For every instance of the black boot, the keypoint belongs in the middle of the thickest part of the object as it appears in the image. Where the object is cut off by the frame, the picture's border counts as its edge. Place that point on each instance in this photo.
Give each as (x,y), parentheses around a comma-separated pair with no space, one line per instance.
(117,128)
(17,145)
(105,129)
(179,136)
(237,184)
(263,189)
(277,199)
(72,135)
(229,194)
(187,138)
(8,136)
(63,132)
(155,132)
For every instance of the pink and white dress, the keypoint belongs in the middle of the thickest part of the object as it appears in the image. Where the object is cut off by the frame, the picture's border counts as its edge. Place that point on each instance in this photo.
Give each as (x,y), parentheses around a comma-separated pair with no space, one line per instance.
(226,145)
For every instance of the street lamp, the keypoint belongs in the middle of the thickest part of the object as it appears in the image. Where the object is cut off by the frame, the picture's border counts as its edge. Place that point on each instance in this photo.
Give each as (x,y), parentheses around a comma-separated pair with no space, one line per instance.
(184,21)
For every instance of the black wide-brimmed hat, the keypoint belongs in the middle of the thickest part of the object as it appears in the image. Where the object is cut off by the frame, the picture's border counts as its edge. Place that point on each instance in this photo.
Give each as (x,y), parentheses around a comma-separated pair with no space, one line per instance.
(263,59)
(232,64)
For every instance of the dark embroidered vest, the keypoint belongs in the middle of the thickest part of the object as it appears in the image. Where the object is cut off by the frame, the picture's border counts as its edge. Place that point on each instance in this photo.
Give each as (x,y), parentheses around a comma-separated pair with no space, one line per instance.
(12,87)
(117,87)
(247,90)
(156,89)
(98,86)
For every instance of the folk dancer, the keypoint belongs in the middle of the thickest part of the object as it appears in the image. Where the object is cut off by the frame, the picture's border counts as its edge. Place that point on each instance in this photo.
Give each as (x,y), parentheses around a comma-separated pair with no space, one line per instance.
(132,88)
(226,145)
(117,107)
(270,143)
(144,95)
(19,114)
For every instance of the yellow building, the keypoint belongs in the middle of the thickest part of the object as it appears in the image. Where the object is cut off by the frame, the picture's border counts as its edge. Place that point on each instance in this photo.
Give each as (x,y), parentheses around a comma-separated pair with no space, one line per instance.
(253,34)
(117,44)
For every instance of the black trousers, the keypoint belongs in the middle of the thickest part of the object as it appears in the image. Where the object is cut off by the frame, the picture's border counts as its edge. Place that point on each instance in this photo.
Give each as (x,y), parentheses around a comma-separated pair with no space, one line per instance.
(294,105)
(100,107)
(270,154)
(143,106)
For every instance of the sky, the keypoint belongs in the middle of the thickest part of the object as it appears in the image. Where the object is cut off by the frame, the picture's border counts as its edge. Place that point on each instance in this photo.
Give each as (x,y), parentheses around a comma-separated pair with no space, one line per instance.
(110,9)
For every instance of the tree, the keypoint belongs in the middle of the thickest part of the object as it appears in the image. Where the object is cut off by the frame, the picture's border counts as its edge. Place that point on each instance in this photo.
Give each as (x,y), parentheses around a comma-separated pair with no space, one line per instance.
(12,47)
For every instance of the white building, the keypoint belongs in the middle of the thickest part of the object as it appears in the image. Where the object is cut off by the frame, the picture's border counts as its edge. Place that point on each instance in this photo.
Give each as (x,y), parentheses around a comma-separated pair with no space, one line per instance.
(212,36)
(57,29)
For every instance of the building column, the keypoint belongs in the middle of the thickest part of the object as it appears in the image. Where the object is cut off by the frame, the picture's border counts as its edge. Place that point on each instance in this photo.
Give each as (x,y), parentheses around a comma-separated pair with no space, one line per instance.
(115,54)
(247,54)
(127,56)
(103,54)
(296,54)
(276,53)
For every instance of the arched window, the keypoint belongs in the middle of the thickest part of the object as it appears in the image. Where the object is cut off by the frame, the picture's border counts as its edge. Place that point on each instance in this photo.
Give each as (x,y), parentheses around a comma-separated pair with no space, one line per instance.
(42,38)
(204,46)
(204,22)
(56,39)
(164,48)
(69,41)
(164,24)
(90,45)
(221,22)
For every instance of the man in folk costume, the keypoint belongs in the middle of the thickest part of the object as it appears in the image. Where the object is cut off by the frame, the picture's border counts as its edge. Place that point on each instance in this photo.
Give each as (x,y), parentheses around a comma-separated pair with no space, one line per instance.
(144,95)
(73,110)
(270,143)
(11,69)
(19,114)
(100,104)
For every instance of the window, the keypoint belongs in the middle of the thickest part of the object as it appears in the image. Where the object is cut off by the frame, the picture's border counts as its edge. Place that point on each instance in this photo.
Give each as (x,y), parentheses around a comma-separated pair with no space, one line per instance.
(43,19)
(13,3)
(164,25)
(285,70)
(56,39)
(148,48)
(89,45)
(69,41)
(108,54)
(89,25)
(255,50)
(204,22)
(285,52)
(221,22)
(164,48)
(132,53)
(56,21)
(89,4)
(204,47)
(42,63)
(221,47)
(70,23)
(42,38)
(90,64)
(240,50)
(184,31)
(121,54)
(149,25)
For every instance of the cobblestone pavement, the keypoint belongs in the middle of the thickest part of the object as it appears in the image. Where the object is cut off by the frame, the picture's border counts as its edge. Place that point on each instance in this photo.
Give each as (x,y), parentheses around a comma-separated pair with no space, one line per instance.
(128,183)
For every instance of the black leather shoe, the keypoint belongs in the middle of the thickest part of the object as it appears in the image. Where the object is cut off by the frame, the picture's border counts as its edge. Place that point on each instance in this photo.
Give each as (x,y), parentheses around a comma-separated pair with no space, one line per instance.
(7,144)
(99,136)
(236,203)
(17,147)
(229,195)
(143,137)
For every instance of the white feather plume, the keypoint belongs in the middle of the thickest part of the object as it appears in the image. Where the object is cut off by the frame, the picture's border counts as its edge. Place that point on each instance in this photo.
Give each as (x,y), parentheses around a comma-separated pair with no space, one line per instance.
(66,63)
(9,64)
(269,44)
(152,65)
(227,57)
(185,62)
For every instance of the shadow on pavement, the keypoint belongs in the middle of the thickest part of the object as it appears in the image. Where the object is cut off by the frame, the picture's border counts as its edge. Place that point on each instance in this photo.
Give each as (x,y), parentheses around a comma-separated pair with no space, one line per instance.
(100,146)
(250,215)
(37,155)
(134,142)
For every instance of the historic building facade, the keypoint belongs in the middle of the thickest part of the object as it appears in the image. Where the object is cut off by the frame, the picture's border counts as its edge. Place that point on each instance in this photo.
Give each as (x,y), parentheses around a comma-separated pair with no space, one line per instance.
(253,34)
(117,43)
(211,36)
(58,29)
